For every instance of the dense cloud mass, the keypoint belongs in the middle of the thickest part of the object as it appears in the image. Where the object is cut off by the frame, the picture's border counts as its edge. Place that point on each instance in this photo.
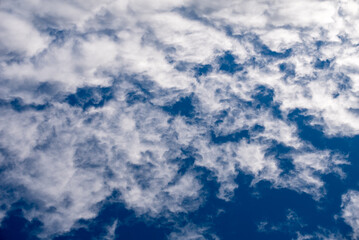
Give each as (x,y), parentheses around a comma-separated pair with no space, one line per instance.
(179,119)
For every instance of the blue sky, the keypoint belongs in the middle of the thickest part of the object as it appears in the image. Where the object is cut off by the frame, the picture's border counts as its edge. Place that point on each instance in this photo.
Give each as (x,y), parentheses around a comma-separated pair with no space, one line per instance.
(179,120)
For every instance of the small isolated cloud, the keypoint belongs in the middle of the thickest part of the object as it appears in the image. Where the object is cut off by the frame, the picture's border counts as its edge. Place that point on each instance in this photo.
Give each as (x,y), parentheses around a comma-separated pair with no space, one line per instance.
(191,232)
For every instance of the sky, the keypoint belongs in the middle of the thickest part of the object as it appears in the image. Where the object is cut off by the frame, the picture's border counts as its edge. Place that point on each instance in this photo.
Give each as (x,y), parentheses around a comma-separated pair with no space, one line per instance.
(179,120)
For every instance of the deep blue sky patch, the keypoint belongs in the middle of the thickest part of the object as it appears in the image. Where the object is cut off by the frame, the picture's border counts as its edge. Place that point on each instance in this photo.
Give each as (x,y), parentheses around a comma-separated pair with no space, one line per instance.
(183,107)
(90,97)
(227,63)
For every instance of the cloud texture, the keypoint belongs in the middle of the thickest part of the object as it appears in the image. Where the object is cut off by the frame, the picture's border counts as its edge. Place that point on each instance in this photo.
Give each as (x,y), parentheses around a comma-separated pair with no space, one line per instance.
(146,98)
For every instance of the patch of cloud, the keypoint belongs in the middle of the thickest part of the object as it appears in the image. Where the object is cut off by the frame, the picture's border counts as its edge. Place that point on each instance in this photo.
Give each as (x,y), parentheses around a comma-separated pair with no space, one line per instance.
(20,37)
(350,211)
(192,232)
(322,236)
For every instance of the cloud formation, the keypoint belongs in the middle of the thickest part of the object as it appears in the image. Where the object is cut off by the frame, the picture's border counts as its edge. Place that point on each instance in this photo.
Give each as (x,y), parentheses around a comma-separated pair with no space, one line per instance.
(141,98)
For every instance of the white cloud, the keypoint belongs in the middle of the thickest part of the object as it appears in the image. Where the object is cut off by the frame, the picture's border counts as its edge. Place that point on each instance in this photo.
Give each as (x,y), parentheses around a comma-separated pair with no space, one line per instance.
(189,231)
(350,211)
(20,37)
(69,159)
